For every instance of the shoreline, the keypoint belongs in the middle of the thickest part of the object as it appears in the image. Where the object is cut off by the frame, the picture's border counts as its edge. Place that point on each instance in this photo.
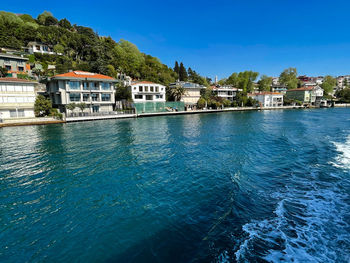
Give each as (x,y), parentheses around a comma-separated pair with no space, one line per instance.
(144,115)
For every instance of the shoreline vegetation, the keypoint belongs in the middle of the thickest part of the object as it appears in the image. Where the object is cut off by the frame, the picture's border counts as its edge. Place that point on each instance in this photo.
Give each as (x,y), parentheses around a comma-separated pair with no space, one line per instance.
(23,122)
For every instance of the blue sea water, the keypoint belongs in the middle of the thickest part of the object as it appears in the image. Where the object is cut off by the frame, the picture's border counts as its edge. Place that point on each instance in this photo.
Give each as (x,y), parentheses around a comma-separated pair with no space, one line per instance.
(269,186)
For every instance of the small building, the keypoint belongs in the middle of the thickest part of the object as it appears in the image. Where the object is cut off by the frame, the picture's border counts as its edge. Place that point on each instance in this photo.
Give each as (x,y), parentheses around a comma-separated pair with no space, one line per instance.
(279,88)
(14,64)
(192,92)
(268,99)
(17,98)
(307,95)
(36,47)
(225,92)
(146,91)
(95,90)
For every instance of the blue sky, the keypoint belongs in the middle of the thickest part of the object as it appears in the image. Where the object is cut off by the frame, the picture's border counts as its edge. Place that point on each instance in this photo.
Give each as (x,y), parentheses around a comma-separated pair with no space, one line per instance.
(220,37)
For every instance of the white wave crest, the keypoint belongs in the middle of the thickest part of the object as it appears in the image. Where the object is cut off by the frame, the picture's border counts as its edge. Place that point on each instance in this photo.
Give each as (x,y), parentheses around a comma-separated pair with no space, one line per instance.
(343,158)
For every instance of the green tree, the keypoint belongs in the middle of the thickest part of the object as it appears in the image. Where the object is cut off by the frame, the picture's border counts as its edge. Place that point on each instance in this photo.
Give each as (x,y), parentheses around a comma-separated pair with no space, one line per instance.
(123,93)
(81,106)
(201,103)
(289,78)
(328,84)
(343,95)
(71,106)
(182,72)
(65,24)
(246,80)
(58,48)
(264,84)
(177,68)
(42,17)
(3,72)
(177,92)
(42,106)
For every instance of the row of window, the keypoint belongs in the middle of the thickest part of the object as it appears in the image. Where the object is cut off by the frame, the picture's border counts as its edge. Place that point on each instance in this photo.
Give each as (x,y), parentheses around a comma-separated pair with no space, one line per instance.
(75,85)
(4,99)
(147,97)
(9,68)
(16,113)
(16,88)
(150,89)
(86,97)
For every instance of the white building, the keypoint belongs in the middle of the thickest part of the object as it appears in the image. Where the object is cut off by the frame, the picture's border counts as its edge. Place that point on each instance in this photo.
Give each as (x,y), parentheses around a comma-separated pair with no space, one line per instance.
(17,98)
(226,92)
(35,47)
(95,90)
(146,91)
(268,99)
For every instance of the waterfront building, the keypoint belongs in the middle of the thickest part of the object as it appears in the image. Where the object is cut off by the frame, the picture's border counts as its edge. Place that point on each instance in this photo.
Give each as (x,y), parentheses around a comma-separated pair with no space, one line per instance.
(95,90)
(279,88)
(36,47)
(146,91)
(307,95)
(14,64)
(268,99)
(17,98)
(225,92)
(192,92)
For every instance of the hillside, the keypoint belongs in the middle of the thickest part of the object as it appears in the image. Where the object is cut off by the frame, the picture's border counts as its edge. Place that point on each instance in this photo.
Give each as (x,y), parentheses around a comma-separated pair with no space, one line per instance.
(82,48)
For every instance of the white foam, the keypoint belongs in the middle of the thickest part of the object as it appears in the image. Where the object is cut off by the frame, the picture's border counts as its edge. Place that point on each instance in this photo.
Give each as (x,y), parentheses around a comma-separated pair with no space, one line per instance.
(343,159)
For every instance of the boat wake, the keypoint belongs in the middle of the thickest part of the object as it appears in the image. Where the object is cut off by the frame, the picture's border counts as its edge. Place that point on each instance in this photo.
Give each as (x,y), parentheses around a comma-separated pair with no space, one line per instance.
(311,222)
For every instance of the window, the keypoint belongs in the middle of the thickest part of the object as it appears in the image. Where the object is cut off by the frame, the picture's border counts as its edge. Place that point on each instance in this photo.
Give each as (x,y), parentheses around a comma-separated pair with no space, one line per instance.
(95,108)
(21,69)
(140,88)
(149,97)
(151,89)
(8,67)
(74,96)
(85,85)
(105,86)
(134,88)
(95,85)
(138,97)
(86,97)
(20,113)
(106,97)
(162,89)
(159,96)
(37,47)
(157,89)
(94,97)
(146,88)
(75,85)
(13,113)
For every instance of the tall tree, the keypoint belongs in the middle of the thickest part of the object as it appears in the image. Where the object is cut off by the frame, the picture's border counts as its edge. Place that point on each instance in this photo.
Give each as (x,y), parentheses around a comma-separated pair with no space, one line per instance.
(182,73)
(289,78)
(328,84)
(264,84)
(176,68)
(246,80)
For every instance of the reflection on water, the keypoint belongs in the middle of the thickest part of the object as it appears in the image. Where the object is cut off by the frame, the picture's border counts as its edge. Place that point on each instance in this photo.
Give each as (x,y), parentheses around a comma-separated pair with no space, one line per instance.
(211,187)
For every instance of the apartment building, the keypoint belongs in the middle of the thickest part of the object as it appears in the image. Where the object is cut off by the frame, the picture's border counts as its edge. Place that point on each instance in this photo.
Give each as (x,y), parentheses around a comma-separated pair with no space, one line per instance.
(14,64)
(17,98)
(268,99)
(146,91)
(95,90)
(225,92)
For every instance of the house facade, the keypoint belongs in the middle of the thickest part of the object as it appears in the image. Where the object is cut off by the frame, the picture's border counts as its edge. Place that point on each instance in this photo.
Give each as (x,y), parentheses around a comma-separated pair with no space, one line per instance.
(17,98)
(146,91)
(307,95)
(225,92)
(192,92)
(36,47)
(95,90)
(14,64)
(268,99)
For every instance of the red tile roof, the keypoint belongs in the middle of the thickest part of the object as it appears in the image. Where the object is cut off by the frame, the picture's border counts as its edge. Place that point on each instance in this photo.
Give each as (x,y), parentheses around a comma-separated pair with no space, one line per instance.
(302,89)
(16,80)
(82,75)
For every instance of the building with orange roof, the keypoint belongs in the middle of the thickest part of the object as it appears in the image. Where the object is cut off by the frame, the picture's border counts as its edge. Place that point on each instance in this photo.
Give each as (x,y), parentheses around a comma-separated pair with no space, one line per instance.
(147,91)
(93,89)
(268,99)
(17,98)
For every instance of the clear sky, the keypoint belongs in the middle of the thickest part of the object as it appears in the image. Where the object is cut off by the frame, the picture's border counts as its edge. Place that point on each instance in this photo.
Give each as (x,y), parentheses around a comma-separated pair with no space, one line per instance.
(220,37)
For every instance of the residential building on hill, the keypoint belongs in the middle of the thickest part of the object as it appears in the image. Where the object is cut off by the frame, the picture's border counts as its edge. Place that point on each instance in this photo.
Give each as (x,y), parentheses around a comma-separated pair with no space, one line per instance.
(17,98)
(146,91)
(268,99)
(225,92)
(95,90)
(36,47)
(192,93)
(14,64)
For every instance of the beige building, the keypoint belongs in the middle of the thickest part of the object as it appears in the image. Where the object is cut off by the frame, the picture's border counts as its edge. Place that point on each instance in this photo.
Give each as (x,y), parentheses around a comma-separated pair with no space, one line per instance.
(192,92)
(17,98)
(95,90)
